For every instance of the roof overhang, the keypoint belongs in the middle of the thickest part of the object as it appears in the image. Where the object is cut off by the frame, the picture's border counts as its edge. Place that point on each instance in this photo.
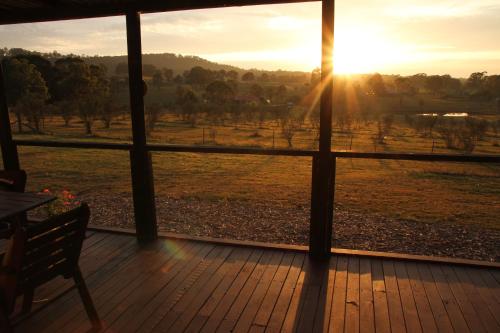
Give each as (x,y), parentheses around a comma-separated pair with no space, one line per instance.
(28,11)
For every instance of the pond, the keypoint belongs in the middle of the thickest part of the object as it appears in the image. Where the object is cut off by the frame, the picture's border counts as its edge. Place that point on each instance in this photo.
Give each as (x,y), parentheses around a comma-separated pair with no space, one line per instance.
(451,114)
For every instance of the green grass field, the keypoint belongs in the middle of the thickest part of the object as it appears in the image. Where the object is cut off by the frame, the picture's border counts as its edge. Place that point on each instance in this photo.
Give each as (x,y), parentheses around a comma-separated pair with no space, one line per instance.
(419,191)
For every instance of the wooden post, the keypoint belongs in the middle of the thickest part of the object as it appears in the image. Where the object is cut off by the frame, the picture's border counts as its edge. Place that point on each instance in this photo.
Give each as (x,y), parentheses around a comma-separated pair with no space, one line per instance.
(140,158)
(10,156)
(323,171)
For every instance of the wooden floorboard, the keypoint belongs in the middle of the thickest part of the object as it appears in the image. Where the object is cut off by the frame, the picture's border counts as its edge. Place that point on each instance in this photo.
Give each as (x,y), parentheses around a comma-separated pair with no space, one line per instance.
(190,286)
(421,302)
(380,306)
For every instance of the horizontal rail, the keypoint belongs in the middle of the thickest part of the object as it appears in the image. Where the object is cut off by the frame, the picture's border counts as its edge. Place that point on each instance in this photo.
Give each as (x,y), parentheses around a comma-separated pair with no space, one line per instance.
(73,144)
(230,150)
(419,157)
(263,151)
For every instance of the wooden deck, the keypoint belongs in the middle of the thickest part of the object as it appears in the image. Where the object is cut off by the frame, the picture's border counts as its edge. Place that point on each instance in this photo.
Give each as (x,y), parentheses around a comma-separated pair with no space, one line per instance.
(176,286)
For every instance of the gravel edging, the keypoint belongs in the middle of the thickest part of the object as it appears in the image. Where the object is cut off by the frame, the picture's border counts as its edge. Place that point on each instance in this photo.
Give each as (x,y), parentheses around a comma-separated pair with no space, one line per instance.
(286,224)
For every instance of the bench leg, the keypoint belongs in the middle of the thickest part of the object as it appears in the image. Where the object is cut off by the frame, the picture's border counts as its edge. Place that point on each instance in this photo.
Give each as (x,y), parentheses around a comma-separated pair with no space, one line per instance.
(5,325)
(86,299)
(28,301)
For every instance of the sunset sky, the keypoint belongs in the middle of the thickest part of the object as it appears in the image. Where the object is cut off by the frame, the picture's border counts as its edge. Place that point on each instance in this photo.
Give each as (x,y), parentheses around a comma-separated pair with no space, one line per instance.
(388,36)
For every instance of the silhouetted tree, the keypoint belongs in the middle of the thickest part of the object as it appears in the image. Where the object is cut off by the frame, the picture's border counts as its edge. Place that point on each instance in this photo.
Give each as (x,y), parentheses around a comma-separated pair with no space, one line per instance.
(168,74)
(248,76)
(257,90)
(475,81)
(376,84)
(121,68)
(153,113)
(187,103)
(434,84)
(219,92)
(264,77)
(315,76)
(157,79)
(289,128)
(148,69)
(199,76)
(232,75)
(26,91)
(280,94)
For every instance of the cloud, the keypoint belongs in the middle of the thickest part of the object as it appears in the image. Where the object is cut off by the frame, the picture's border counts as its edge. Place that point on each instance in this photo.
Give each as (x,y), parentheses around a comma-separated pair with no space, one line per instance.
(463,34)
(440,9)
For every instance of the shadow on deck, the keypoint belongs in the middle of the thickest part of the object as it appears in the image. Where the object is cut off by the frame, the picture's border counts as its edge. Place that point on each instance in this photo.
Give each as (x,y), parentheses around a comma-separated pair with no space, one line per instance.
(180,285)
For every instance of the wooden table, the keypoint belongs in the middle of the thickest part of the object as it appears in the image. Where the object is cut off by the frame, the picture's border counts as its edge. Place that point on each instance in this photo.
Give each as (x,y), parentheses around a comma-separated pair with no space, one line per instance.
(12,203)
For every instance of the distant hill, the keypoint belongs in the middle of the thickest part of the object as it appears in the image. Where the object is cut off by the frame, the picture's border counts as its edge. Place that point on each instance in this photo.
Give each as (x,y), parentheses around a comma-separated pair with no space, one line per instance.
(178,63)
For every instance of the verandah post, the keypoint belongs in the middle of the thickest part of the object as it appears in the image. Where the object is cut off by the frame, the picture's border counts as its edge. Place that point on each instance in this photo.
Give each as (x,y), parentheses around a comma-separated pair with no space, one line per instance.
(10,156)
(140,158)
(323,169)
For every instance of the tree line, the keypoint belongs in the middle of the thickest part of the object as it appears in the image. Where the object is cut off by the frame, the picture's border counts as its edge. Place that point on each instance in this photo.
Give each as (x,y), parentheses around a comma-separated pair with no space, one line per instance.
(39,85)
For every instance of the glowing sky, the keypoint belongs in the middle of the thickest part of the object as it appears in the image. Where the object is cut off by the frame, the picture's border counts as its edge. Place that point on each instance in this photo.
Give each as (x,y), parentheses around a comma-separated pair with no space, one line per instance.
(388,36)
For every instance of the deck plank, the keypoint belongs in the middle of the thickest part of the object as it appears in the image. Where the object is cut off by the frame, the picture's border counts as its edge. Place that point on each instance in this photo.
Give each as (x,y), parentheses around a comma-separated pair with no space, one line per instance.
(422,303)
(203,313)
(155,274)
(352,297)
(283,302)
(337,316)
(207,288)
(491,282)
(266,308)
(92,270)
(178,287)
(290,322)
(246,317)
(217,315)
(366,312)
(396,315)
(443,322)
(313,302)
(192,286)
(322,319)
(380,306)
(470,314)
(172,275)
(240,303)
(412,321)
(485,292)
(124,288)
(456,316)
(477,301)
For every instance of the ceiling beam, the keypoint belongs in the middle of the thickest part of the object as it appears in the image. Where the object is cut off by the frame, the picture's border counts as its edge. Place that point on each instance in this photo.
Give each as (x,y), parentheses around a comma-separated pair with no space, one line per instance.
(72,11)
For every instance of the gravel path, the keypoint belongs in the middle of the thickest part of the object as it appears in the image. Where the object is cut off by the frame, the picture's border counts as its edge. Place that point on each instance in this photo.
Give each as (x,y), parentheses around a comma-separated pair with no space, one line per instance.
(265,222)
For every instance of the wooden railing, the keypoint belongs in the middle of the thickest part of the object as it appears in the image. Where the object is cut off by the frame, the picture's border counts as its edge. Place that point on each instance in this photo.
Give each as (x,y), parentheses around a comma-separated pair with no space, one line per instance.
(324,159)
(476,158)
(321,200)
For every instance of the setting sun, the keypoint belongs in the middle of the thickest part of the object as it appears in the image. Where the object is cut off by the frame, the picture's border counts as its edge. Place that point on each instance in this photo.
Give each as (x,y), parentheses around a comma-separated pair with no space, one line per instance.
(362,50)
(356,50)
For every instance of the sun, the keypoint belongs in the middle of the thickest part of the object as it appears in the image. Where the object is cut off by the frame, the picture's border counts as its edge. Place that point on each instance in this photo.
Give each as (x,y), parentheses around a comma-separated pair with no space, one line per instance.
(358,50)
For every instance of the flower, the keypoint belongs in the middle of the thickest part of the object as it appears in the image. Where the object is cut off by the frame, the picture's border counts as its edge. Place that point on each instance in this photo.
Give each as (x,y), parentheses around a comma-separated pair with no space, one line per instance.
(65,200)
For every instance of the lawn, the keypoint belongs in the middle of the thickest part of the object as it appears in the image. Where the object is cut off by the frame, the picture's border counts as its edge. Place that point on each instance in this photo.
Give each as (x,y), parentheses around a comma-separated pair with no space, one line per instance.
(466,193)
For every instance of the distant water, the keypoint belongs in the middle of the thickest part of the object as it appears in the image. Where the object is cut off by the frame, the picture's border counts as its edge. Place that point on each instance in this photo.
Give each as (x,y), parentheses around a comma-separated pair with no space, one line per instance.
(456,114)
(452,114)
